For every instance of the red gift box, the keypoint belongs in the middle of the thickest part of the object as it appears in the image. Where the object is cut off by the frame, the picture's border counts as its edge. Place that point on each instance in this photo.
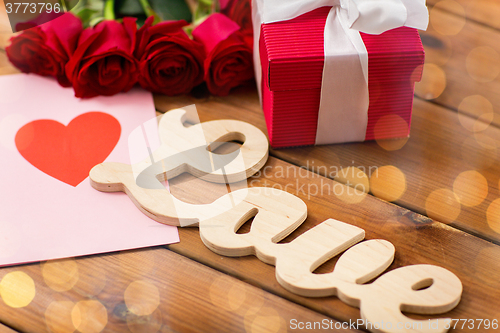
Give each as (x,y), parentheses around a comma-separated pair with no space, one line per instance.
(292,59)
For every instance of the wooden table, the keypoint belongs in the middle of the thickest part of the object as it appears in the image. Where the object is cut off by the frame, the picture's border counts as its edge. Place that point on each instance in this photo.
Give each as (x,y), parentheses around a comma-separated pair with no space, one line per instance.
(444,209)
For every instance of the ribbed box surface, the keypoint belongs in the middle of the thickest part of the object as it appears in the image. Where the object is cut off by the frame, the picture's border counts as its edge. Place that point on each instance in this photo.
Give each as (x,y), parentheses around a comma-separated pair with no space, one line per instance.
(292,58)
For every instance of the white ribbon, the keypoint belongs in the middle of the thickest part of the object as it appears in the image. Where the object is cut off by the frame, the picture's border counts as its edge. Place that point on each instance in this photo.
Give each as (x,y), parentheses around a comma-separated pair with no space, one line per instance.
(343,111)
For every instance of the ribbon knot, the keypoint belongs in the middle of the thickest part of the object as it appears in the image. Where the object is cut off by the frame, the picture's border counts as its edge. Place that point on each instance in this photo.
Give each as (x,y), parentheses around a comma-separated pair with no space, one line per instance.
(368,16)
(343,110)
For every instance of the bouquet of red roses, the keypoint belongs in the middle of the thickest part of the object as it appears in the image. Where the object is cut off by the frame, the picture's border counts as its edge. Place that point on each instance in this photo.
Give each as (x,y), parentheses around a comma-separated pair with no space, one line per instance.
(166,46)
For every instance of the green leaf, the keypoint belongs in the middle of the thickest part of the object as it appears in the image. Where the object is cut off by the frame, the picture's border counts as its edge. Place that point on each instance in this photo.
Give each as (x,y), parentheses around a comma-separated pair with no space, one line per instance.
(129,7)
(207,2)
(97,5)
(148,10)
(86,14)
(96,20)
(89,11)
(70,4)
(169,10)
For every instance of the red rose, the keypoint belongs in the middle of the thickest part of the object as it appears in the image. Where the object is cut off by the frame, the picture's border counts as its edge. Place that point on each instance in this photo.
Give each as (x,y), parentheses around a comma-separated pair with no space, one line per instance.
(229,58)
(240,11)
(45,49)
(103,62)
(170,62)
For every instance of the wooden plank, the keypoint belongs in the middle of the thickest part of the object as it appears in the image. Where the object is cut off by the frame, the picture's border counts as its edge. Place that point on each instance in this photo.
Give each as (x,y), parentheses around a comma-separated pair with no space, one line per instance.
(6,329)
(418,240)
(438,151)
(419,186)
(449,54)
(483,11)
(446,55)
(429,243)
(152,290)
(462,65)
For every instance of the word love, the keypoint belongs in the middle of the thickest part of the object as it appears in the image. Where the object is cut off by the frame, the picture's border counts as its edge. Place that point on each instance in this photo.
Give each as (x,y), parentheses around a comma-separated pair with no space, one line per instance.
(422,289)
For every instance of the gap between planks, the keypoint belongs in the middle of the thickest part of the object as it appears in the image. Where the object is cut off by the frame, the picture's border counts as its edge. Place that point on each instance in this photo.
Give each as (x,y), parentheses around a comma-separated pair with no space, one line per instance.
(4,328)
(244,99)
(434,241)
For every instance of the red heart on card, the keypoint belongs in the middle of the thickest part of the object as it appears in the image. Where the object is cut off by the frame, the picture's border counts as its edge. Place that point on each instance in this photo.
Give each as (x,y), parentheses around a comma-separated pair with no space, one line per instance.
(67,153)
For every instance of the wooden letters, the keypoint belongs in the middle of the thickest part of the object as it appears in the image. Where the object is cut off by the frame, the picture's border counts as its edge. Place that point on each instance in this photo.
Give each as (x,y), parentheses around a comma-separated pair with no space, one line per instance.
(423,289)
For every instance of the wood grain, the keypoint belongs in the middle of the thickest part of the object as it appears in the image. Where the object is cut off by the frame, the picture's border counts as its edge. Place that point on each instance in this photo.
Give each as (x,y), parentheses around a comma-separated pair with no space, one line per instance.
(152,290)
(486,12)
(6,329)
(448,52)
(438,151)
(465,64)
(185,149)
(417,240)
(380,301)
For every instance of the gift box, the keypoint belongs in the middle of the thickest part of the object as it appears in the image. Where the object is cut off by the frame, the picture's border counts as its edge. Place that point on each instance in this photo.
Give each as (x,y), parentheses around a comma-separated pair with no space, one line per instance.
(291,54)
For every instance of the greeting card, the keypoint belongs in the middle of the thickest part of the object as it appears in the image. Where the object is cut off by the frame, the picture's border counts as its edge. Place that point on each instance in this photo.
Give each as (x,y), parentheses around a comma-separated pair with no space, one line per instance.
(49,141)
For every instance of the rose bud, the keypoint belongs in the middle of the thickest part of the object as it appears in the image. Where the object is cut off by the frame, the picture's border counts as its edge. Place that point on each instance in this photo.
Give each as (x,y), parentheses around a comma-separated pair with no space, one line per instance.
(240,11)
(45,49)
(228,63)
(103,62)
(170,62)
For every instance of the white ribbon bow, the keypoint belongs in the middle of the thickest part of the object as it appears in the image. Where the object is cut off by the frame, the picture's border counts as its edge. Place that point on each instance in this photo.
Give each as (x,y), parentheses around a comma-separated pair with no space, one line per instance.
(343,112)
(368,16)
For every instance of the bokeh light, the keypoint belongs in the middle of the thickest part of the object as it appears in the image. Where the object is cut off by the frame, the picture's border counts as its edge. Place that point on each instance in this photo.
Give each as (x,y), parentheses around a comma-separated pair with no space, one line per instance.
(226,294)
(475,113)
(90,284)
(433,82)
(486,142)
(60,275)
(142,297)
(393,121)
(89,316)
(443,205)
(17,289)
(451,26)
(493,216)
(471,188)
(392,144)
(388,183)
(264,319)
(58,317)
(483,64)
(438,48)
(479,151)
(487,266)
(354,177)
(356,187)
(347,194)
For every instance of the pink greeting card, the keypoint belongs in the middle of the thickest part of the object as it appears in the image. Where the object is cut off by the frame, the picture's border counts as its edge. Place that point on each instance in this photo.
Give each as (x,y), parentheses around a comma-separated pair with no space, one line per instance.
(49,141)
